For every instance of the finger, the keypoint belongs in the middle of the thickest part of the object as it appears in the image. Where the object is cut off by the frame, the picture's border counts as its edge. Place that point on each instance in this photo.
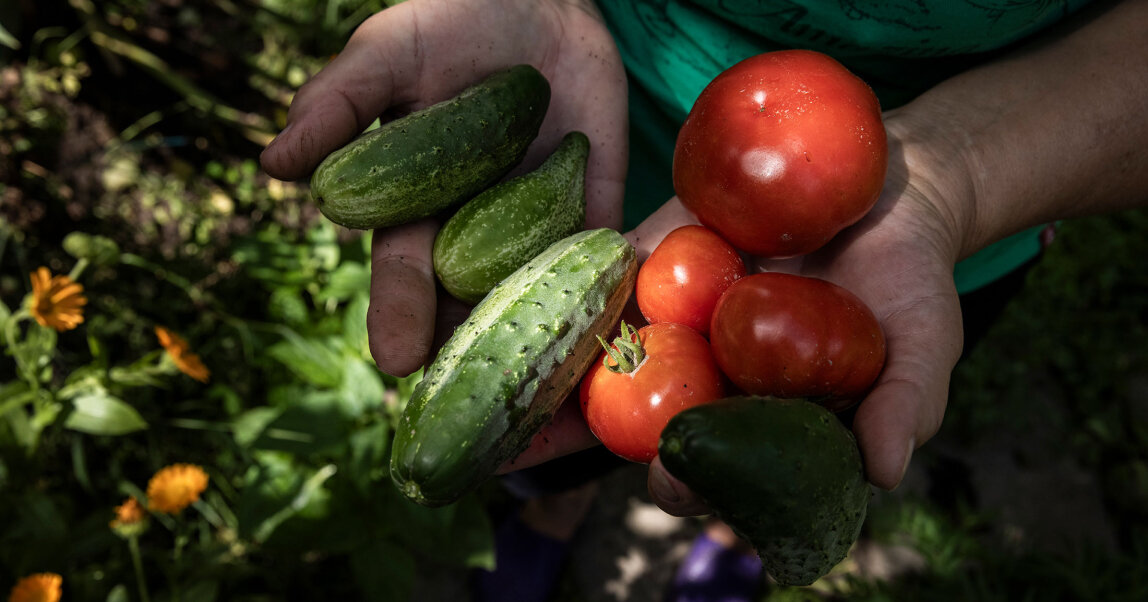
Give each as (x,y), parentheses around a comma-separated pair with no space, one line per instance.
(906,407)
(672,495)
(410,55)
(566,433)
(653,229)
(401,315)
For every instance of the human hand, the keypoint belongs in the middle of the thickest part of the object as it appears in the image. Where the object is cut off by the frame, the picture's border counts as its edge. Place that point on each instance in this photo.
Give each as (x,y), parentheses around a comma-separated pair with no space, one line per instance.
(421,52)
(899,259)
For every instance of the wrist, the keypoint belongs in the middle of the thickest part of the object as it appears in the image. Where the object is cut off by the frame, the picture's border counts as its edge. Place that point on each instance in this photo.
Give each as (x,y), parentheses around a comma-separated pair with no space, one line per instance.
(930,169)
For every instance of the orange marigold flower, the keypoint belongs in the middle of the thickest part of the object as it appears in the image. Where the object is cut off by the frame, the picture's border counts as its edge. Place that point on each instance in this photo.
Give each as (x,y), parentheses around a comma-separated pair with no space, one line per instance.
(179,352)
(131,518)
(41,587)
(57,301)
(175,487)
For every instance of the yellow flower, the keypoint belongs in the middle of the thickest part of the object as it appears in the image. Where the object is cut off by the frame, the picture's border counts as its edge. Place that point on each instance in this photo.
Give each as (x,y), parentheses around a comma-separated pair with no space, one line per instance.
(41,587)
(131,518)
(57,302)
(178,350)
(175,487)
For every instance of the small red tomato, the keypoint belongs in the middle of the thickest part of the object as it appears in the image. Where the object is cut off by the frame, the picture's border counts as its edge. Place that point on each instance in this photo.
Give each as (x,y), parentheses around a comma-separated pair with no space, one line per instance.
(794,336)
(684,276)
(644,380)
(780,152)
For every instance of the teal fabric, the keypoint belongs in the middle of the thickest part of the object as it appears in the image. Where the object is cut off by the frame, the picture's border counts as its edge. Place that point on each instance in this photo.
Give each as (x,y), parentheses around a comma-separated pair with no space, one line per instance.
(673,48)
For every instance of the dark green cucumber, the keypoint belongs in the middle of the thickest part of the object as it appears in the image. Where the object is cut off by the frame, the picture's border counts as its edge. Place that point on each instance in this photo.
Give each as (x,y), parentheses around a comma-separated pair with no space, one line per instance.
(499,378)
(784,474)
(509,223)
(434,158)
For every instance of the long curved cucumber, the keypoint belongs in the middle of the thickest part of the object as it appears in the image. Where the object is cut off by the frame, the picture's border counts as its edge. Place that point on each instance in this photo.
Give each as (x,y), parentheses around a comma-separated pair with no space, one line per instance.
(434,158)
(499,378)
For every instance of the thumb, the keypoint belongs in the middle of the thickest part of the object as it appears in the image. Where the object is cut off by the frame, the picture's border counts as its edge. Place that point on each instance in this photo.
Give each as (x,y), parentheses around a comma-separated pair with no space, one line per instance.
(672,495)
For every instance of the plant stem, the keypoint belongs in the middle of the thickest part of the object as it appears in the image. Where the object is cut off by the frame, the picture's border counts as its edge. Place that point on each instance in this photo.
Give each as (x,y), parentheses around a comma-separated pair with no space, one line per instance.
(137,563)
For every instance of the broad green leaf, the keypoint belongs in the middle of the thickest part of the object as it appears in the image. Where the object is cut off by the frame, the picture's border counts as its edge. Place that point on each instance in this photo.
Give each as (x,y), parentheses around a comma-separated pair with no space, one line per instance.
(355,325)
(313,422)
(310,359)
(247,426)
(286,305)
(362,389)
(102,414)
(347,281)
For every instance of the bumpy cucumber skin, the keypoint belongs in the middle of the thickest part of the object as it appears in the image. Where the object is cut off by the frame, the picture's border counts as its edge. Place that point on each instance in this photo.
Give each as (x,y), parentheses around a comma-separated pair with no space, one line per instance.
(434,158)
(506,225)
(508,367)
(784,474)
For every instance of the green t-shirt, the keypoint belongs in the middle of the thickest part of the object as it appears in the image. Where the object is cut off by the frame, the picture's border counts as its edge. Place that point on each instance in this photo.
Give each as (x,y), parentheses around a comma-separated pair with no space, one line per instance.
(673,48)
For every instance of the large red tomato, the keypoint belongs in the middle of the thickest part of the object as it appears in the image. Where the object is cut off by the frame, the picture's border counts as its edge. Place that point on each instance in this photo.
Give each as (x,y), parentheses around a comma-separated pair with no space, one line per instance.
(780,152)
(684,276)
(626,405)
(794,336)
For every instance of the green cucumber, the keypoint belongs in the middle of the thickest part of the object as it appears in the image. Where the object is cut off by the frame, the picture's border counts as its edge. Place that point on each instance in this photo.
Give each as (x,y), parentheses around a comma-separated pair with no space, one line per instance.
(435,158)
(506,225)
(784,474)
(499,378)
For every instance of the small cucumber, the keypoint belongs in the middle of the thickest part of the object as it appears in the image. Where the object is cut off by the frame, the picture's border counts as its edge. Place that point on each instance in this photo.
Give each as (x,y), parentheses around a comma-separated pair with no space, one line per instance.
(434,158)
(506,225)
(499,378)
(784,474)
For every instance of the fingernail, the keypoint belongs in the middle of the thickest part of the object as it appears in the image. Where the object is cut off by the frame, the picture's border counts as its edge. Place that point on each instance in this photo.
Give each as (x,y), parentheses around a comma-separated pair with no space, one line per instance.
(661,488)
(908,457)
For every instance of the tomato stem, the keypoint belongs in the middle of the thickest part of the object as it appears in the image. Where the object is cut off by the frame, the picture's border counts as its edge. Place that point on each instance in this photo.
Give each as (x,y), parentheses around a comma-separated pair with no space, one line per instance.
(626,351)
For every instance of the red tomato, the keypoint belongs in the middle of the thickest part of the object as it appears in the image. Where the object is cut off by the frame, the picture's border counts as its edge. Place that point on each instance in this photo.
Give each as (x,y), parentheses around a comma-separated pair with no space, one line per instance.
(794,336)
(684,276)
(627,410)
(781,152)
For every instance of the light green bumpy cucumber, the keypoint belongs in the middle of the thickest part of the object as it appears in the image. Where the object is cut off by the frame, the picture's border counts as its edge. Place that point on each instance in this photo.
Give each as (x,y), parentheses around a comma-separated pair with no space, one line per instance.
(784,474)
(506,225)
(499,378)
(435,158)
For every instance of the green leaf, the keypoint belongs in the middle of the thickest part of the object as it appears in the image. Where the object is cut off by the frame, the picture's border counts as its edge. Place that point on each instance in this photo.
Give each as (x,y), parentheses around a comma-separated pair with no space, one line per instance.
(287,306)
(314,422)
(99,413)
(248,426)
(459,534)
(368,456)
(355,326)
(7,39)
(118,593)
(310,359)
(5,313)
(349,280)
(362,389)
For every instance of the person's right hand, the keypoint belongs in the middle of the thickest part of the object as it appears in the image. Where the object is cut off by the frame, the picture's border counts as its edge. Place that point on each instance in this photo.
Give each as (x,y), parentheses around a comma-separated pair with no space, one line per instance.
(421,52)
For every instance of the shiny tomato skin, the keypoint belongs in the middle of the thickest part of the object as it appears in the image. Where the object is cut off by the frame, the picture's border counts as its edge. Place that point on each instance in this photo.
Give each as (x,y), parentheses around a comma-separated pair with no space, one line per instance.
(627,411)
(786,335)
(780,152)
(685,275)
